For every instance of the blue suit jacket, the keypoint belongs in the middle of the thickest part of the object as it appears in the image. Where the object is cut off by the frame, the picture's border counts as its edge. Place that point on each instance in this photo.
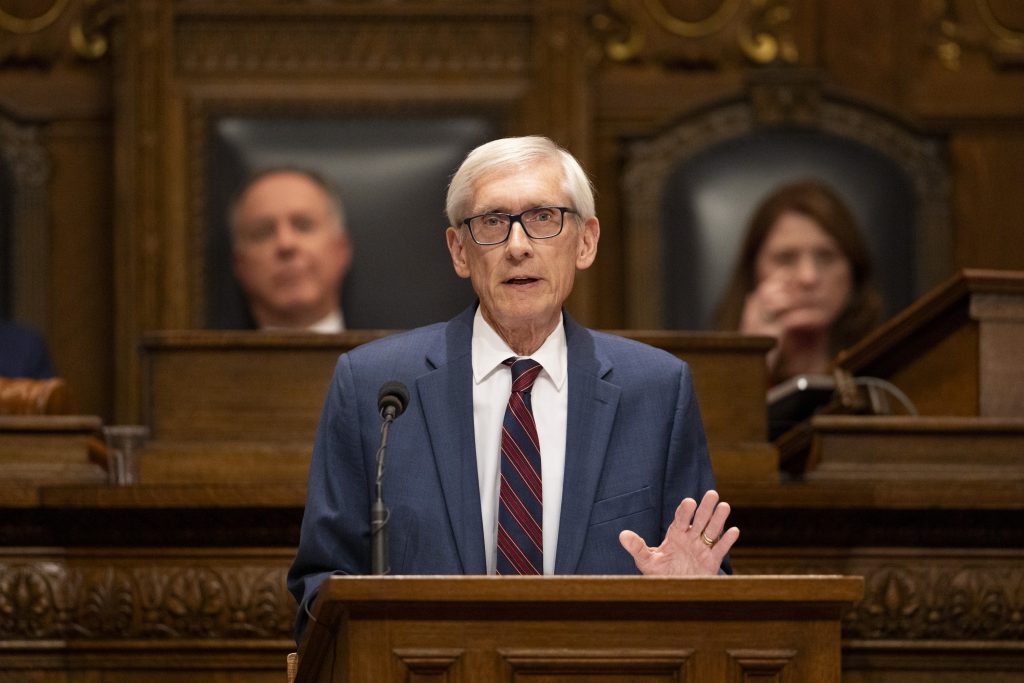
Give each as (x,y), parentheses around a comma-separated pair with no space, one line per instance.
(23,353)
(635,448)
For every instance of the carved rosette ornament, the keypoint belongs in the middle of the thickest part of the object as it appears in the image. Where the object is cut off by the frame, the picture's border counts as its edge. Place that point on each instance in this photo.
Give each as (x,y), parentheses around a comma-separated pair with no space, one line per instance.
(692,35)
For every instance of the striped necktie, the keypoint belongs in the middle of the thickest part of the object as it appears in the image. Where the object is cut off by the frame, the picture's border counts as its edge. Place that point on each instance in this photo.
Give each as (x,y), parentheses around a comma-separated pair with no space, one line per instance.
(520,508)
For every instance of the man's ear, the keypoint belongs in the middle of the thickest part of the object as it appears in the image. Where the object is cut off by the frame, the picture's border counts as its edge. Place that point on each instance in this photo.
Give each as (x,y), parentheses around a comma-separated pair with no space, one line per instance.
(457,249)
(586,246)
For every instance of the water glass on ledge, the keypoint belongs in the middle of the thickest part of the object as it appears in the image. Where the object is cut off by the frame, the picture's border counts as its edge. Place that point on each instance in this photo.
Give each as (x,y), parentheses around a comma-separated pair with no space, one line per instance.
(124,453)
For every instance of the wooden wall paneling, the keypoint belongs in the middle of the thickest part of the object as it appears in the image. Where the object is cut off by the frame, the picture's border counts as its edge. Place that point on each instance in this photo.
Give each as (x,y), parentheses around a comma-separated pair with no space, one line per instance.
(865,47)
(564,53)
(925,613)
(82,268)
(141,45)
(974,48)
(987,165)
(55,84)
(27,168)
(209,616)
(343,59)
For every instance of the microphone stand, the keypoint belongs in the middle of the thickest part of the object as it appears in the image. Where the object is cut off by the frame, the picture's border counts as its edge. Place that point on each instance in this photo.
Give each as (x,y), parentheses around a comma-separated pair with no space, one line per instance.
(380,564)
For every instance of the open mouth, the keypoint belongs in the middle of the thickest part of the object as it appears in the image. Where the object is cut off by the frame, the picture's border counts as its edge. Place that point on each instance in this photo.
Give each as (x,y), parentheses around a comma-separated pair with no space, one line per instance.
(520,280)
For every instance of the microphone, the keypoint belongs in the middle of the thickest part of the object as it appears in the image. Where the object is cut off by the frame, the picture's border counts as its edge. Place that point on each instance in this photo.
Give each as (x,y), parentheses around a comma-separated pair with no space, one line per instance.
(392,399)
(391,402)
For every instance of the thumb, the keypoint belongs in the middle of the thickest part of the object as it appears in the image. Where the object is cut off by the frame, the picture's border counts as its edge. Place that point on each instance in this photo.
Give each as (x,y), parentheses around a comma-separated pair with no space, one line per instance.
(633,544)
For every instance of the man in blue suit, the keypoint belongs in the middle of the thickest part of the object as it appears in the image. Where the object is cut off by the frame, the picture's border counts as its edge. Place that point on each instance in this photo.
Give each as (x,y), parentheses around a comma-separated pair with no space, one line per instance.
(623,450)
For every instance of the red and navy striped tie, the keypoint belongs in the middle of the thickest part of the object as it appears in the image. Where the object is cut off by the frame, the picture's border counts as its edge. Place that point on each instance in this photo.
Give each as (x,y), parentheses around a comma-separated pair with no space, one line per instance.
(520,506)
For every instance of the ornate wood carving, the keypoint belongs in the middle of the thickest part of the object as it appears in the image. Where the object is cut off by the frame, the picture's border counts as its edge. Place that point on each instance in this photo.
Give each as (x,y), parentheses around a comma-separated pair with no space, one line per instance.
(57,30)
(910,594)
(363,46)
(920,595)
(138,597)
(994,28)
(670,33)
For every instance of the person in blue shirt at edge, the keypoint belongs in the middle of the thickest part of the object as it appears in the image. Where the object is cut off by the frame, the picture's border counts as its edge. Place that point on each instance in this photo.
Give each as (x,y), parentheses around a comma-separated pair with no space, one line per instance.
(624,460)
(23,353)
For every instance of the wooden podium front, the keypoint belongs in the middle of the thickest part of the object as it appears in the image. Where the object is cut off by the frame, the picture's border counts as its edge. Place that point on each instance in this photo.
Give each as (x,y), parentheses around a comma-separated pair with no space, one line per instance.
(545,629)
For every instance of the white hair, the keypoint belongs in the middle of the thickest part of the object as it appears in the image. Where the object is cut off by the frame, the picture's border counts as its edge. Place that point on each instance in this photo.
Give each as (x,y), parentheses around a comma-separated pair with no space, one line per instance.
(517,152)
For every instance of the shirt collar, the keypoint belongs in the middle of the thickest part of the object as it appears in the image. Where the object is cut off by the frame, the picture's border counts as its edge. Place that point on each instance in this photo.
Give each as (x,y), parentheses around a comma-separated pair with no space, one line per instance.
(331,323)
(490,350)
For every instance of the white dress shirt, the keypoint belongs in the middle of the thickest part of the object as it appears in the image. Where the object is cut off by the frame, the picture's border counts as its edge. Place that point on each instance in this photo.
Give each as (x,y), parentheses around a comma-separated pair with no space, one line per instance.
(332,323)
(492,384)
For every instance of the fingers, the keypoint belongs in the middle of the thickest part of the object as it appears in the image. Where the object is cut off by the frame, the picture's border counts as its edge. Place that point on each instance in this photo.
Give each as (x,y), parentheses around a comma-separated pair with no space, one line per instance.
(724,544)
(705,511)
(683,519)
(633,544)
(709,518)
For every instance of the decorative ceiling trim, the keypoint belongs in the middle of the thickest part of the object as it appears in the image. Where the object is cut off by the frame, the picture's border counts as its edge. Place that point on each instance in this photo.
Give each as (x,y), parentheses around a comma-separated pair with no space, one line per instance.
(759,32)
(981,31)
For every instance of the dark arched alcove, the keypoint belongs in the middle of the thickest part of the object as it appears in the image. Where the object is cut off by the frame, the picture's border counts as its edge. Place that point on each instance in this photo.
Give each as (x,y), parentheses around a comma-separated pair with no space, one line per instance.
(709,198)
(392,173)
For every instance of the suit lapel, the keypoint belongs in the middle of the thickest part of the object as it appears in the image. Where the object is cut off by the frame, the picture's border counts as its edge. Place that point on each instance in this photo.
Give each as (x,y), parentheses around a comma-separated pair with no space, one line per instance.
(446,394)
(592,406)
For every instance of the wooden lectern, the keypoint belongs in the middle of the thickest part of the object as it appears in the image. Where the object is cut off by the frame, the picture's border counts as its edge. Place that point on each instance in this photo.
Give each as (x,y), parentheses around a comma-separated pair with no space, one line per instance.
(610,629)
(958,355)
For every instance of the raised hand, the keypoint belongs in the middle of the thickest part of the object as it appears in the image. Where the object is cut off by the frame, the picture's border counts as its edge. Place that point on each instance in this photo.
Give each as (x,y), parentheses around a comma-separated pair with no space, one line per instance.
(694,544)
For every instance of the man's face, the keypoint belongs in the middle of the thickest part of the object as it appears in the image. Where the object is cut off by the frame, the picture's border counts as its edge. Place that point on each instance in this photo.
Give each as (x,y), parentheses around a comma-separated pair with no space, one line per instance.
(522,282)
(290,252)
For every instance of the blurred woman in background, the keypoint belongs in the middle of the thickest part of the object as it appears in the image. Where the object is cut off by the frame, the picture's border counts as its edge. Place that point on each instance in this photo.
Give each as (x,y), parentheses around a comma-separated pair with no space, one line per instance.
(803,276)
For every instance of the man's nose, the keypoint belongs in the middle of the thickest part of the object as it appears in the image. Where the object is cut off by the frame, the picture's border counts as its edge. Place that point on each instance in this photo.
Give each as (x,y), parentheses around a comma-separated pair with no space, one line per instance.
(519,243)
(285,237)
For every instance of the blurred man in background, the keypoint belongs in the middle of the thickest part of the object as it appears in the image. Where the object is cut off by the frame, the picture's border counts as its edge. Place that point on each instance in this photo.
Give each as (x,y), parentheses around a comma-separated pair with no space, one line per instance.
(291,250)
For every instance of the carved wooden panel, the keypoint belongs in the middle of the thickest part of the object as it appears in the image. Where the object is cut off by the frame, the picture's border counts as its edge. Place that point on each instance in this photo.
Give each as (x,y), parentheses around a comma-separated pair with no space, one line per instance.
(604,666)
(53,31)
(916,594)
(139,595)
(760,666)
(699,34)
(429,665)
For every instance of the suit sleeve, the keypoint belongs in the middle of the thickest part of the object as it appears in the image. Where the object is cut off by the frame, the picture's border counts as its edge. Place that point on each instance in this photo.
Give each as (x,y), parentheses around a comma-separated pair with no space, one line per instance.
(334,536)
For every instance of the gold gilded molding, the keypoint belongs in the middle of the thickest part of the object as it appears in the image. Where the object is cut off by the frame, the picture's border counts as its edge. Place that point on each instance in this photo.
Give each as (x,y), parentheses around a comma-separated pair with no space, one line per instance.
(23,26)
(754,31)
(978,30)
(67,29)
(767,37)
(723,15)
(86,33)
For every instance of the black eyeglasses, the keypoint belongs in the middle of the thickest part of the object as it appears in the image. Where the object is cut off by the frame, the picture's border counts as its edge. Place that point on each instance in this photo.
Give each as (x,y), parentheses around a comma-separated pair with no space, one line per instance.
(541,223)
